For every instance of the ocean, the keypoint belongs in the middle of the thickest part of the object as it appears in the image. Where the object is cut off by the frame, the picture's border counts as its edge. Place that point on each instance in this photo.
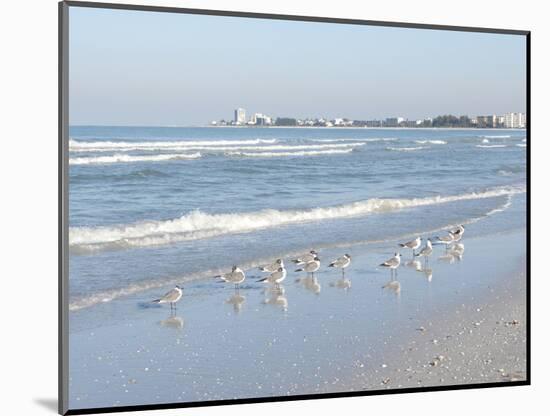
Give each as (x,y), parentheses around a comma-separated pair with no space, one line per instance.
(154,206)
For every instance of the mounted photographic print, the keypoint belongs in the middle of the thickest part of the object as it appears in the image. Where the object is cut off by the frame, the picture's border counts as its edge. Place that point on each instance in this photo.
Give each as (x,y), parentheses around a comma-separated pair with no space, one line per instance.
(267,207)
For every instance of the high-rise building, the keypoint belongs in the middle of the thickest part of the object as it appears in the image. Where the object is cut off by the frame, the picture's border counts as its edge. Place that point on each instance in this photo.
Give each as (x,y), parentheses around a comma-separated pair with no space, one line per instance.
(240,116)
(514,120)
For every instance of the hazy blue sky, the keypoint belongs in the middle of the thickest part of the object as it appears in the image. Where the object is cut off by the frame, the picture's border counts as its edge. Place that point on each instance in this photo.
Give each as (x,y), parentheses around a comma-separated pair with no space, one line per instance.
(145,68)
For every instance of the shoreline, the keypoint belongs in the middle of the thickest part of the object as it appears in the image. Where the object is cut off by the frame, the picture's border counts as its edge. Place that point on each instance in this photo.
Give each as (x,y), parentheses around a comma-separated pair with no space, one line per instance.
(329,335)
(308,127)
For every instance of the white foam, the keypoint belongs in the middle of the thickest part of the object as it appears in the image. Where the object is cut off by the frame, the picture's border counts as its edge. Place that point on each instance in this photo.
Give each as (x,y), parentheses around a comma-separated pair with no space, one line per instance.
(430,141)
(372,139)
(521,145)
(291,154)
(485,141)
(92,146)
(199,225)
(497,136)
(490,146)
(524,140)
(214,149)
(124,158)
(407,149)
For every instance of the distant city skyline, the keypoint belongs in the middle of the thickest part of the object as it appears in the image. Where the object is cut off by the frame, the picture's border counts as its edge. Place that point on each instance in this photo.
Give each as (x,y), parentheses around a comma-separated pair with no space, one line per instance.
(161,69)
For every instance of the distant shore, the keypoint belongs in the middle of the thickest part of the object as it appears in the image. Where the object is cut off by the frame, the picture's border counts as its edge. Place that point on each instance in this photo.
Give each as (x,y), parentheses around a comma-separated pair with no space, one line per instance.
(304,127)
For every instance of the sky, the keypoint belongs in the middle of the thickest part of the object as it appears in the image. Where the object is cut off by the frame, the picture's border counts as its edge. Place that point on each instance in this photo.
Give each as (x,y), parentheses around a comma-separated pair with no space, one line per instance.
(164,69)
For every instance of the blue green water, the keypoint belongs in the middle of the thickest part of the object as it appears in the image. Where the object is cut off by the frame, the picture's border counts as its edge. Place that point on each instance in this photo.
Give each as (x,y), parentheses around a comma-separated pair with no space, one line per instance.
(150,206)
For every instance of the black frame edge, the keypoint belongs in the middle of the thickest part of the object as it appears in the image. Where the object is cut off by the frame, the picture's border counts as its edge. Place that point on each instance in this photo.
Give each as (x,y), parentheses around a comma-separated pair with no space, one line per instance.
(63,205)
(63,119)
(255,15)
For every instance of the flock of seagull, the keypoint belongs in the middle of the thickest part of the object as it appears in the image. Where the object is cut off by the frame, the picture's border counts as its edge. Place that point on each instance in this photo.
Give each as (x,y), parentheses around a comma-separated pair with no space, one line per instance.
(310,263)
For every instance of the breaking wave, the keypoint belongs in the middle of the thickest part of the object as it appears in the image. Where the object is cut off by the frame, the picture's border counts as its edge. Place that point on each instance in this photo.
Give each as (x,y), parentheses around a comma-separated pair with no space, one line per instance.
(98,146)
(372,139)
(124,158)
(407,149)
(490,146)
(199,225)
(430,141)
(291,154)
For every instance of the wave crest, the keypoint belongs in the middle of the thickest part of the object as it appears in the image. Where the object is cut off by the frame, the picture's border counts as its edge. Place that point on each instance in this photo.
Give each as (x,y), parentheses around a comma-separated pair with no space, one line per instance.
(124,158)
(199,225)
(291,154)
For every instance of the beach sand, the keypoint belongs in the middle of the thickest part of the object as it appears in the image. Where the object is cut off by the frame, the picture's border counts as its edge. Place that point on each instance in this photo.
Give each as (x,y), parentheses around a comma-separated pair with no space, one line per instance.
(456,321)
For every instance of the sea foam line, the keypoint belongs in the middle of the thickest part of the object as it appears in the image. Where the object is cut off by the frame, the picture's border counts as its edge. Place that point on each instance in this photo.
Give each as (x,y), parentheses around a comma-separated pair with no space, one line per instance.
(430,141)
(112,294)
(291,154)
(76,145)
(199,225)
(124,158)
(222,148)
(490,146)
(372,139)
(407,149)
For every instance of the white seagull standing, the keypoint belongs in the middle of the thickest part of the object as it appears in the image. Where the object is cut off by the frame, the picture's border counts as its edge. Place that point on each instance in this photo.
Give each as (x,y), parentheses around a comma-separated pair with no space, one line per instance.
(273,267)
(342,263)
(392,263)
(311,266)
(306,258)
(236,276)
(458,231)
(172,297)
(276,277)
(426,250)
(447,239)
(413,244)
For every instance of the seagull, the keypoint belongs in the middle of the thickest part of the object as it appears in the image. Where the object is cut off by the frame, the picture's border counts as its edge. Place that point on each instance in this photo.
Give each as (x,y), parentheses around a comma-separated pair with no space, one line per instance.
(273,267)
(393,262)
(311,266)
(341,262)
(171,297)
(426,250)
(306,258)
(275,277)
(413,244)
(458,231)
(236,276)
(447,239)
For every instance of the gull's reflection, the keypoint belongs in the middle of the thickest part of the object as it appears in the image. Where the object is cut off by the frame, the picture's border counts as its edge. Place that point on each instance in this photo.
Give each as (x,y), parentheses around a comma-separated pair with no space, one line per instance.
(237,300)
(393,286)
(415,264)
(276,296)
(173,322)
(310,283)
(457,250)
(455,253)
(428,272)
(342,283)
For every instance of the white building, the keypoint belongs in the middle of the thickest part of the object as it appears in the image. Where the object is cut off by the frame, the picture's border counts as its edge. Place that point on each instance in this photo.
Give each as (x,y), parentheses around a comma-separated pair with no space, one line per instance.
(260,119)
(514,120)
(240,116)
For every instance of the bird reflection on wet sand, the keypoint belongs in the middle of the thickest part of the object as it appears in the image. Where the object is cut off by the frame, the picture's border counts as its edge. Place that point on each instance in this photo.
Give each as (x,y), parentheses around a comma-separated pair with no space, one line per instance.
(276,296)
(237,300)
(310,283)
(393,286)
(173,322)
(455,253)
(343,283)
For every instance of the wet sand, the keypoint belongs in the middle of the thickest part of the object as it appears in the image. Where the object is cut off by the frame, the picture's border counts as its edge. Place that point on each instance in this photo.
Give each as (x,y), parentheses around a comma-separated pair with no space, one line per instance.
(454,320)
